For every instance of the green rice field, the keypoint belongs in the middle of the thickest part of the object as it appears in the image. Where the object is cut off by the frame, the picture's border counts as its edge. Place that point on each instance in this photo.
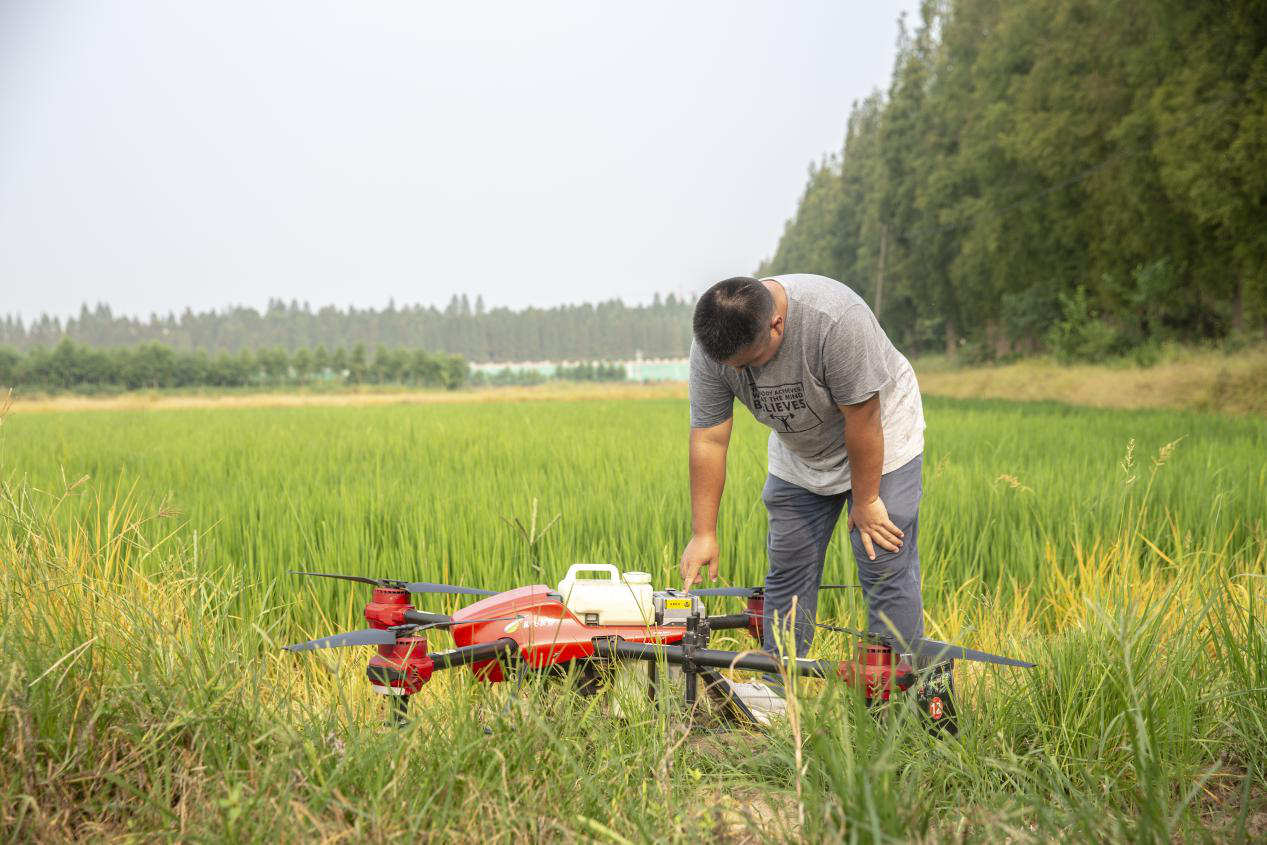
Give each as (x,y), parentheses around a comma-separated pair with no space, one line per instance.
(144,696)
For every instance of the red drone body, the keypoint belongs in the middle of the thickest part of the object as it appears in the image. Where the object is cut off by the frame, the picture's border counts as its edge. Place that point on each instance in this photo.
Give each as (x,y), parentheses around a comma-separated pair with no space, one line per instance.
(531,628)
(542,627)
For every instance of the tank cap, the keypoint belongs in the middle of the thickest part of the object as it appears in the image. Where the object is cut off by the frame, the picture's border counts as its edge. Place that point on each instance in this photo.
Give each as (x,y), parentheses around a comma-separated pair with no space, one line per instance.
(637,577)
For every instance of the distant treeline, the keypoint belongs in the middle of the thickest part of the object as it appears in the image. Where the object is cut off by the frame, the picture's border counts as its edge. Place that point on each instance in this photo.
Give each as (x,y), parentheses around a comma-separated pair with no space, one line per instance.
(606,331)
(72,366)
(1073,175)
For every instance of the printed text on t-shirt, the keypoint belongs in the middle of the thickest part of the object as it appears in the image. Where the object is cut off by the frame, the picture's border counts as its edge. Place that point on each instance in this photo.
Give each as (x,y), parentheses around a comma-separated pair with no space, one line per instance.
(785,407)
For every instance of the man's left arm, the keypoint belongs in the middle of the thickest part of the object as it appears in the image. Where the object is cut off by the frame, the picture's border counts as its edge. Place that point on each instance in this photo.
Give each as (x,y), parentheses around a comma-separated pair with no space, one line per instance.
(864,441)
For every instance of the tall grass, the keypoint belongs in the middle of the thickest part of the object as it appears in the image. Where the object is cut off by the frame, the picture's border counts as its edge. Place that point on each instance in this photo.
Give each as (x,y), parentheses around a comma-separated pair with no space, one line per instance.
(143,695)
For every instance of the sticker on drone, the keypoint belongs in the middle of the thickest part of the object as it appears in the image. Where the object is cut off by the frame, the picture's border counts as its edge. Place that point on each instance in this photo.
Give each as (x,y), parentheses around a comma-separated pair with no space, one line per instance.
(935,708)
(540,622)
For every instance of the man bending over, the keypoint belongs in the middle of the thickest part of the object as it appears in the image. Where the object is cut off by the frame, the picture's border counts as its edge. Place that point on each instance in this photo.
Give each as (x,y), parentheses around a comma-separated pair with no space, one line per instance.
(807,357)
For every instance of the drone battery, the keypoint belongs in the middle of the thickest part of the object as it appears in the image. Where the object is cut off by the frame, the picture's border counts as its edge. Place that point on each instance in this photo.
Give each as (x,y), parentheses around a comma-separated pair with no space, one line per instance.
(674,608)
(935,696)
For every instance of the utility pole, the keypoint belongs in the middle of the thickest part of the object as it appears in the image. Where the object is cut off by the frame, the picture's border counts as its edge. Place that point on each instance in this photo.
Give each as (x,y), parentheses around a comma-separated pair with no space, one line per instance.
(879,279)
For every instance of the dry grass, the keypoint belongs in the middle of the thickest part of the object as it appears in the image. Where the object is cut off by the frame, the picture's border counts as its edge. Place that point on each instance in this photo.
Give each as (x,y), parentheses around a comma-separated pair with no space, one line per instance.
(1187,380)
(1192,381)
(154,401)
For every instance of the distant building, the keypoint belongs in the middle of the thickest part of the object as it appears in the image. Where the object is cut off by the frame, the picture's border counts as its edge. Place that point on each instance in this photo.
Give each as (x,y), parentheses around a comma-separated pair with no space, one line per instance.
(639,369)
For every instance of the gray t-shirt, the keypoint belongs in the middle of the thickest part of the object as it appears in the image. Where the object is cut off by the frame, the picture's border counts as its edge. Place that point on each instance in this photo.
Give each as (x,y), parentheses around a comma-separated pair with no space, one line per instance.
(833,353)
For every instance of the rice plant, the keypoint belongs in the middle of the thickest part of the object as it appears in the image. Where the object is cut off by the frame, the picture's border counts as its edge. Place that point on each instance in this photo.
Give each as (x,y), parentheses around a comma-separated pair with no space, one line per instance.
(143,695)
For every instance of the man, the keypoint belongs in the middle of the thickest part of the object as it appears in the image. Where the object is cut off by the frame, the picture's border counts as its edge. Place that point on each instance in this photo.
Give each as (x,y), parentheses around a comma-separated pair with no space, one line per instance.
(807,357)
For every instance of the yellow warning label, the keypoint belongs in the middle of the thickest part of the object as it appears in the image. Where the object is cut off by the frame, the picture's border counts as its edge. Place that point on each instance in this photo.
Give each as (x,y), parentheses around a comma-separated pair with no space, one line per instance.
(677,604)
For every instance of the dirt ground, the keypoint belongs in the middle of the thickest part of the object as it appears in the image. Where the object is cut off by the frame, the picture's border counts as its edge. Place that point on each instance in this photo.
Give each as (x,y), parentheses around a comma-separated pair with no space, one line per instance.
(153,401)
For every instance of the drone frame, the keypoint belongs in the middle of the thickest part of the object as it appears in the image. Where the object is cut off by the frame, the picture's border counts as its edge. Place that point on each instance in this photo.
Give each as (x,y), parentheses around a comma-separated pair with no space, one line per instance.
(542,633)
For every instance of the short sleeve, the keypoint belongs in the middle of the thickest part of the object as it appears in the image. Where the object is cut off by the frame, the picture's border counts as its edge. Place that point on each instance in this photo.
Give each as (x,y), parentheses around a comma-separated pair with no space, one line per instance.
(855,357)
(712,400)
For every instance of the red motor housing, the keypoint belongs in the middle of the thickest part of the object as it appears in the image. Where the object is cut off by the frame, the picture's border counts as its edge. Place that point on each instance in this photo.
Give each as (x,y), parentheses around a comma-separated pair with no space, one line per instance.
(401,669)
(756,617)
(874,672)
(387,608)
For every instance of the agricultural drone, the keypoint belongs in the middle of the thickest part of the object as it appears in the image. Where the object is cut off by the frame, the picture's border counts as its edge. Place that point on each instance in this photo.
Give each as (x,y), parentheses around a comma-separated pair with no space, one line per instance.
(589,622)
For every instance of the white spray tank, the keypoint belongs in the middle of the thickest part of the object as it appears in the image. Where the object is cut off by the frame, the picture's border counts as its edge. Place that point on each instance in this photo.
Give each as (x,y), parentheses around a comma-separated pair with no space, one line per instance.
(613,600)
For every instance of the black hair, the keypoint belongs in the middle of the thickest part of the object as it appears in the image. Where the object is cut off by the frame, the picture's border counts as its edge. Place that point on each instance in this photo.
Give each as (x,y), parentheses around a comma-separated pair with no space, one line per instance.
(731,315)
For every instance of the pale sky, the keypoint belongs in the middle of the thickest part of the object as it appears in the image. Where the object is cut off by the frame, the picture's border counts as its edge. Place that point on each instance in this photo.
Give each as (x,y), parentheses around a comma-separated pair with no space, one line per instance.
(158,154)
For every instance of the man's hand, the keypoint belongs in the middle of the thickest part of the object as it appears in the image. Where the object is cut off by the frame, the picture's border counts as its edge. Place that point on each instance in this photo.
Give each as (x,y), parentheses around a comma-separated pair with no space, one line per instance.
(873,523)
(701,552)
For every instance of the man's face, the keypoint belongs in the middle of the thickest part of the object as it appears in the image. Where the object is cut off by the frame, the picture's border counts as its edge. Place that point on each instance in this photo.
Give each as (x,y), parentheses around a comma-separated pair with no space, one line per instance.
(761,350)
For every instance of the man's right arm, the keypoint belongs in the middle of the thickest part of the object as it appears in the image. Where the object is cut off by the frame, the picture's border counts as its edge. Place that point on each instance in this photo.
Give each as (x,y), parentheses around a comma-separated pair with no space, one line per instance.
(708,479)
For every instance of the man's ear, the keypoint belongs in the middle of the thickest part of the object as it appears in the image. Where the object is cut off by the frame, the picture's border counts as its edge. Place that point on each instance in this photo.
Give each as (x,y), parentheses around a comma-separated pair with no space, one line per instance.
(777,324)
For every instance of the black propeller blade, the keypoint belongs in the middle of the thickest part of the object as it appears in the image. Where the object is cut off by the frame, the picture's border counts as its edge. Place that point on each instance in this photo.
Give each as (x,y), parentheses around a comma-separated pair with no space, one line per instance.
(841,629)
(937,650)
(931,649)
(737,592)
(379,636)
(369,636)
(769,617)
(407,586)
(749,592)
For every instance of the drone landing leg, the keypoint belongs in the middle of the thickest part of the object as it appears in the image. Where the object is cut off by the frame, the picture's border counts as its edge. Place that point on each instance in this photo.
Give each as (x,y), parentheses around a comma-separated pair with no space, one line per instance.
(587,680)
(398,710)
(651,680)
(730,705)
(519,670)
(689,667)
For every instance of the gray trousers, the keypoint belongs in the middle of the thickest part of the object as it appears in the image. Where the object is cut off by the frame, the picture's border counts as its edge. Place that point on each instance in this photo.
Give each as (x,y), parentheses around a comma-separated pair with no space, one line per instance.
(801,526)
